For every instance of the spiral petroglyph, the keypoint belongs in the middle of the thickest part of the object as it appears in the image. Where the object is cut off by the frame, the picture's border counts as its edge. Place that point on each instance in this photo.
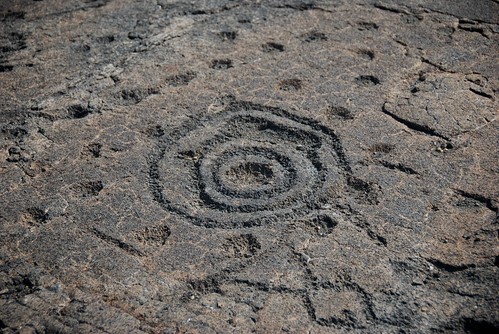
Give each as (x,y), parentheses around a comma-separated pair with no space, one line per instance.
(247,165)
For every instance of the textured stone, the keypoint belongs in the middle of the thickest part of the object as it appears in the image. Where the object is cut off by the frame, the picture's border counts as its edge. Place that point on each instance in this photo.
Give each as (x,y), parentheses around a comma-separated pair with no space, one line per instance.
(263,166)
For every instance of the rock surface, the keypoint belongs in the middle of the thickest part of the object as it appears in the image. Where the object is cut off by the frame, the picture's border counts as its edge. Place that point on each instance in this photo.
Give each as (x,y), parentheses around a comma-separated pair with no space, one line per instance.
(268,166)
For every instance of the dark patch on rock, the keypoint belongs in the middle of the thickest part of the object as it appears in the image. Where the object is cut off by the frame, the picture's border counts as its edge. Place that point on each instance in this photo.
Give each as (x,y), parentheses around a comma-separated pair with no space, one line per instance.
(221,64)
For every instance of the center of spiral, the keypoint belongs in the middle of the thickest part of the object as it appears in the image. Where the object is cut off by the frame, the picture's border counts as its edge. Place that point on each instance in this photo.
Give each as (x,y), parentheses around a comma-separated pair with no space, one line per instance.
(250,174)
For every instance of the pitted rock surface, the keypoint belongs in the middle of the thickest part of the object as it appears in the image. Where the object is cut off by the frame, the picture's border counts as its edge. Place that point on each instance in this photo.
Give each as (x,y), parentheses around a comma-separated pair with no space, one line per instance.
(269,166)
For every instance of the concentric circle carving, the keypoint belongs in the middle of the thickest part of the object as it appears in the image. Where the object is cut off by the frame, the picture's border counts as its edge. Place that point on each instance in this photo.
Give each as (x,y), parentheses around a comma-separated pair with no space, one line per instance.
(246,166)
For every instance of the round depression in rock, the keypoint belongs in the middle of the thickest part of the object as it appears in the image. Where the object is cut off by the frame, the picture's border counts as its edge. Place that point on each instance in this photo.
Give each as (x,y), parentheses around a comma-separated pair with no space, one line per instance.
(246,166)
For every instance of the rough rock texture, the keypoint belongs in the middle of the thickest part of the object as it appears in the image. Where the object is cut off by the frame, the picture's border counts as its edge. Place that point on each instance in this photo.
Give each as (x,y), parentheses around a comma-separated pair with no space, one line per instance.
(267,166)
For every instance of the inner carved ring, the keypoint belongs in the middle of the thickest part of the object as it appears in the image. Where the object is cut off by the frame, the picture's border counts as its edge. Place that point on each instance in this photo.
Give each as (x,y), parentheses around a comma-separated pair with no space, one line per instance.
(252,172)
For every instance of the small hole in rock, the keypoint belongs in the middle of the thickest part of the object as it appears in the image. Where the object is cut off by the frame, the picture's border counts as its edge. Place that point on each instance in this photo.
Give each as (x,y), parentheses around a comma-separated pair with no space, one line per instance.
(90,188)
(37,216)
(106,39)
(272,47)
(95,149)
(199,12)
(242,246)
(366,54)
(180,79)
(314,36)
(368,26)
(78,111)
(381,148)
(155,131)
(340,111)
(367,80)
(324,224)
(290,84)
(221,64)
(228,35)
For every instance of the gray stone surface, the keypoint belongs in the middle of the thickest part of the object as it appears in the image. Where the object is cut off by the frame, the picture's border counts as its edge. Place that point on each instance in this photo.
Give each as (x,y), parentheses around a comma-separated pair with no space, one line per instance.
(262,166)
